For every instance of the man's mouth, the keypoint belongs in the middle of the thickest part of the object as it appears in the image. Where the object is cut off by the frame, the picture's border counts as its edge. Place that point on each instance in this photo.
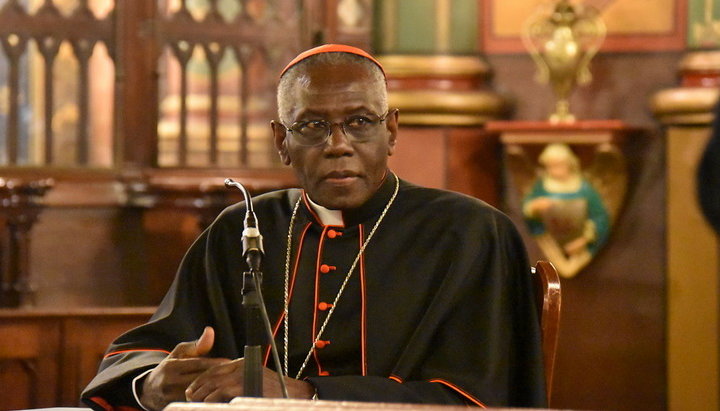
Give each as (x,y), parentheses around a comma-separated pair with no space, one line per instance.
(341,177)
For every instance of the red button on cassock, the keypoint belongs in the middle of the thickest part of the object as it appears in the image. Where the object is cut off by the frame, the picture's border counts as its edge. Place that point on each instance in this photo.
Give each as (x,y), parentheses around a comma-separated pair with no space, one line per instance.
(327,268)
(324,306)
(321,344)
(333,233)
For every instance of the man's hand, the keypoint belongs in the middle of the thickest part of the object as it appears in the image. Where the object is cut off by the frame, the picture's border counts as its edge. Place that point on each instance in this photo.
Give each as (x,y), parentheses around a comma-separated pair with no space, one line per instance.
(224,382)
(168,381)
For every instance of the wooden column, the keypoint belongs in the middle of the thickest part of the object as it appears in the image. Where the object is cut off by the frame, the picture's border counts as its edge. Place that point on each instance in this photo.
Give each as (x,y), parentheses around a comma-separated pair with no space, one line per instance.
(439,81)
(20,207)
(693,280)
(136,53)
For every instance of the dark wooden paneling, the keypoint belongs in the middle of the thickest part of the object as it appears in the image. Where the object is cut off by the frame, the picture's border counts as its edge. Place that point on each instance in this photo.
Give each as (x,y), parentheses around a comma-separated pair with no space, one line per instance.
(48,357)
(173,231)
(463,159)
(85,340)
(474,164)
(29,363)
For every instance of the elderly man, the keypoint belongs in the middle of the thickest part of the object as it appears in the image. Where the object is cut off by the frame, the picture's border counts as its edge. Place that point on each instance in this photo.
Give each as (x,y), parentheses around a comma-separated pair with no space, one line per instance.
(393,292)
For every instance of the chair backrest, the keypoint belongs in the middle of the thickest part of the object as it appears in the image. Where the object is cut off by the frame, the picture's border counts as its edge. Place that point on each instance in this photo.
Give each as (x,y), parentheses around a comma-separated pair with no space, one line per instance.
(547,295)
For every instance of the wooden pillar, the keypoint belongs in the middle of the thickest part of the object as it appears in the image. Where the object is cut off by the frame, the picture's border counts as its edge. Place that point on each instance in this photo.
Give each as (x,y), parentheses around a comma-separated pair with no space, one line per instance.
(439,81)
(693,282)
(136,80)
(20,207)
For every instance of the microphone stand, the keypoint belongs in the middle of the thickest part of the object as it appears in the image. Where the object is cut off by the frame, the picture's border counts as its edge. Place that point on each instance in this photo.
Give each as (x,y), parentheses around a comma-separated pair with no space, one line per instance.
(256,317)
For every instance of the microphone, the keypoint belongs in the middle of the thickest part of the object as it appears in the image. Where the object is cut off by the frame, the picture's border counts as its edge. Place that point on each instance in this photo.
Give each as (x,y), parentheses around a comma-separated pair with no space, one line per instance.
(255,312)
(251,238)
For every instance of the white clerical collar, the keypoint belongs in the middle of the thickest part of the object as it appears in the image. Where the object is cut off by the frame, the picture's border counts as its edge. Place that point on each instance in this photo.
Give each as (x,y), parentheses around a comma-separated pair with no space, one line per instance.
(326,215)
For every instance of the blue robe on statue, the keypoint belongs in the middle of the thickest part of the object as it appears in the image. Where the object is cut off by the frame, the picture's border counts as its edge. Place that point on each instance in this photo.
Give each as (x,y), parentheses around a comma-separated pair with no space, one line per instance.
(596,211)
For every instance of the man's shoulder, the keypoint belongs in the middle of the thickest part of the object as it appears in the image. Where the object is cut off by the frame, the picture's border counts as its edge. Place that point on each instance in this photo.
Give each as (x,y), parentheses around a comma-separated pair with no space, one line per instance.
(444,200)
(277,196)
(465,216)
(262,203)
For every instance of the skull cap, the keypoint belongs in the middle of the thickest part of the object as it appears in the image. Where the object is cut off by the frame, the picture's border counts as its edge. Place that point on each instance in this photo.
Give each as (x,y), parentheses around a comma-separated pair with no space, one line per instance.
(331,48)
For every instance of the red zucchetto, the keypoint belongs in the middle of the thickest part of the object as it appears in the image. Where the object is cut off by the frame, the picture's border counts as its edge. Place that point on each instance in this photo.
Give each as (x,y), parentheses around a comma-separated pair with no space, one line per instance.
(331,48)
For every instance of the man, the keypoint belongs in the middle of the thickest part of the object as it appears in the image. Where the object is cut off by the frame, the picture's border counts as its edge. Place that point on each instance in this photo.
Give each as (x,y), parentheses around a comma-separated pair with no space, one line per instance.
(394,292)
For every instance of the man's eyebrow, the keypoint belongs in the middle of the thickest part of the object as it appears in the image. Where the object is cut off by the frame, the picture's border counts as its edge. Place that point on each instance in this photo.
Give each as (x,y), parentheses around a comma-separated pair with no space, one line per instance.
(361,109)
(309,113)
(321,114)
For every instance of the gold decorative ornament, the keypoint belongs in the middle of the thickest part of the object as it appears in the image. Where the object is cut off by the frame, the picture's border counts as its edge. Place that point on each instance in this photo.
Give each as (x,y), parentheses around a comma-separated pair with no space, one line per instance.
(692,103)
(461,100)
(562,39)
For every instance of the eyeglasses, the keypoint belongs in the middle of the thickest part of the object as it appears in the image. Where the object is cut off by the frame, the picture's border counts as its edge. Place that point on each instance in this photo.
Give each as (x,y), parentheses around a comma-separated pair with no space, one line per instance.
(357,128)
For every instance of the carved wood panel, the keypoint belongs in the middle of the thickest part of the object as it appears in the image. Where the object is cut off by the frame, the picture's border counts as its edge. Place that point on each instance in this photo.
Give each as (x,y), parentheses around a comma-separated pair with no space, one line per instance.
(85,340)
(29,363)
(48,357)
(43,126)
(141,84)
(218,61)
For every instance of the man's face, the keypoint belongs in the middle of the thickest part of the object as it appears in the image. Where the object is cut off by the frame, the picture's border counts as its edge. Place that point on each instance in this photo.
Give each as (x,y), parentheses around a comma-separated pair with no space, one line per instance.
(339,173)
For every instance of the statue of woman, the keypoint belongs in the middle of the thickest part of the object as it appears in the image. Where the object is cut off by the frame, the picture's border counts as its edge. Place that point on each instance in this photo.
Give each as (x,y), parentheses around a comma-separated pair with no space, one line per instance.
(565,212)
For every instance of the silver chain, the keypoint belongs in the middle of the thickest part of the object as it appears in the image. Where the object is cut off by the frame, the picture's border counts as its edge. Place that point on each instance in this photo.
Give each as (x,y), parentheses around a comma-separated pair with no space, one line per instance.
(340,291)
(286,310)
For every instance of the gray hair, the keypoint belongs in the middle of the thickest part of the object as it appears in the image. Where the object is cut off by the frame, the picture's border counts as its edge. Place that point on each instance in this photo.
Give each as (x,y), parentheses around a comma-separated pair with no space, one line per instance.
(294,77)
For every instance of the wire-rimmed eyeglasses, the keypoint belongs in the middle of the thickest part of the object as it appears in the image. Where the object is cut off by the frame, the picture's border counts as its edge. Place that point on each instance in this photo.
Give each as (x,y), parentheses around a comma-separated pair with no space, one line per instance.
(358,128)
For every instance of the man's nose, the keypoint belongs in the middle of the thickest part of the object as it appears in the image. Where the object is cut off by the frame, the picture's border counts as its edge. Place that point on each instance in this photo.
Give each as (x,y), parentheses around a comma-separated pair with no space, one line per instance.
(339,141)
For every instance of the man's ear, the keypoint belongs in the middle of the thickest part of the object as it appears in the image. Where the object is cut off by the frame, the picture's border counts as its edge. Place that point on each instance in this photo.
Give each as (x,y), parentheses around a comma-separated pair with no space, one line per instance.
(279,136)
(391,122)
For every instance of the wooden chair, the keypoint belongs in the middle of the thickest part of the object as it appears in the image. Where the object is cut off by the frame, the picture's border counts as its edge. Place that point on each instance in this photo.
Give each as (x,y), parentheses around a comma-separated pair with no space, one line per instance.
(547,294)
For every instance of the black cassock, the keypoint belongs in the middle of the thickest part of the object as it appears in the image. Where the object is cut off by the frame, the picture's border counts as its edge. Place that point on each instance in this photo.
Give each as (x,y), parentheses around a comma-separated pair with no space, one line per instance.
(439,309)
